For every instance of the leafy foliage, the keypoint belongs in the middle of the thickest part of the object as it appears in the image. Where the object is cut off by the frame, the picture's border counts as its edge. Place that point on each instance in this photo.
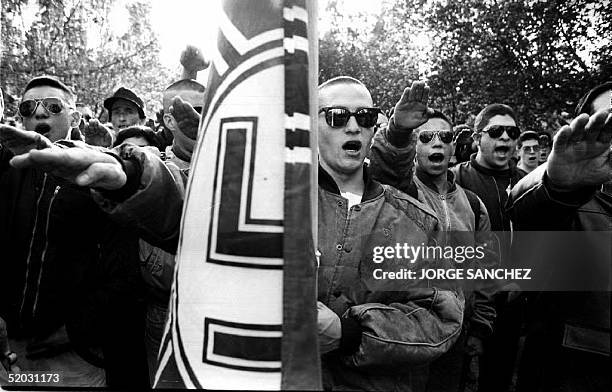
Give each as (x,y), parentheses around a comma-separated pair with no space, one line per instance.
(537,56)
(74,41)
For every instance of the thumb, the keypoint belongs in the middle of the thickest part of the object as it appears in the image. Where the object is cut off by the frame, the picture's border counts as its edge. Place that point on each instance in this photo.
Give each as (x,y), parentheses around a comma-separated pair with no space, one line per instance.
(108,176)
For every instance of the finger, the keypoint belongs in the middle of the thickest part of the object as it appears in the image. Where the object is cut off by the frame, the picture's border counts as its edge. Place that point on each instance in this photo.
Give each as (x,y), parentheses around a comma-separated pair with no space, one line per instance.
(562,138)
(93,122)
(52,160)
(417,91)
(425,96)
(605,134)
(102,175)
(404,98)
(577,128)
(594,126)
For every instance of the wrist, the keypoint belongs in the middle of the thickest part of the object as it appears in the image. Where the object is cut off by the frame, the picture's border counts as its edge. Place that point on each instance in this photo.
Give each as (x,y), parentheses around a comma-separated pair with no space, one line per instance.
(398,136)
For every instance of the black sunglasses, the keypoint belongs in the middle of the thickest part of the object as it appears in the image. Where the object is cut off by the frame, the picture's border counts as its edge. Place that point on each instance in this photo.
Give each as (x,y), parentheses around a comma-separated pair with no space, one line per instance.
(495,131)
(445,136)
(338,117)
(52,105)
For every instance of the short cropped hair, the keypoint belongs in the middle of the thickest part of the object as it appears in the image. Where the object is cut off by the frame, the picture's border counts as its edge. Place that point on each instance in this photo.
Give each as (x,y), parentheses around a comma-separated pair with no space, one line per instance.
(438,114)
(585,105)
(341,80)
(490,111)
(51,81)
(545,138)
(137,131)
(529,135)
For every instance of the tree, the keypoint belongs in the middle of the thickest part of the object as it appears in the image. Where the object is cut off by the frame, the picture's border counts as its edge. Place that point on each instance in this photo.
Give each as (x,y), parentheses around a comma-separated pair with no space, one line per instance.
(537,56)
(73,40)
(367,49)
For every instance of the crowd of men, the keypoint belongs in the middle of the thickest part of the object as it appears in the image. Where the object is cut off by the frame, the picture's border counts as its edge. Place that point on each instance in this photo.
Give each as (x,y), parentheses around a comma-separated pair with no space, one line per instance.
(90,214)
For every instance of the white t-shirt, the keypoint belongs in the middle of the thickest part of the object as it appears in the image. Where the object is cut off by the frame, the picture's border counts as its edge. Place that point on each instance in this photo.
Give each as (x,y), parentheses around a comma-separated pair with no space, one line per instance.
(353,198)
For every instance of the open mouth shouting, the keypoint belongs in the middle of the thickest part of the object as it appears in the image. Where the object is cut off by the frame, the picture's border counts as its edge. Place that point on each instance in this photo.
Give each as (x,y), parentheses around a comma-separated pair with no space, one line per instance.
(436,157)
(352,147)
(502,151)
(42,128)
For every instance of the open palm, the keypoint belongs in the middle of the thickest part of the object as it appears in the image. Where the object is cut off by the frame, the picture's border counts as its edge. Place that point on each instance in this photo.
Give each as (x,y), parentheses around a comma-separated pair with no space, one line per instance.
(581,154)
(411,111)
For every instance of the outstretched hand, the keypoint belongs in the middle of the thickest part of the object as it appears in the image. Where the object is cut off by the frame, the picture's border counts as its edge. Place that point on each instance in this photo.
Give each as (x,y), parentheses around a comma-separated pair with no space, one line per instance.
(411,110)
(81,166)
(19,141)
(581,155)
(187,119)
(97,134)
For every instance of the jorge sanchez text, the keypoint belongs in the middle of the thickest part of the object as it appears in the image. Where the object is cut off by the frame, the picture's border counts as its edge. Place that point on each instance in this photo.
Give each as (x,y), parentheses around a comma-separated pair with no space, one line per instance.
(455,274)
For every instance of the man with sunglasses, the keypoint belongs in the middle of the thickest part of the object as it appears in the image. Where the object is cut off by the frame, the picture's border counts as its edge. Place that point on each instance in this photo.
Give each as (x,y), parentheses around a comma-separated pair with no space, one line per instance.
(491,173)
(464,222)
(367,329)
(528,152)
(65,267)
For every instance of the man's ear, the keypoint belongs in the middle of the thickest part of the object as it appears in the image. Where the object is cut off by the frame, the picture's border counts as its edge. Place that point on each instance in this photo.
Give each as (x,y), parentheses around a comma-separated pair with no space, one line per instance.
(476,136)
(170,122)
(75,119)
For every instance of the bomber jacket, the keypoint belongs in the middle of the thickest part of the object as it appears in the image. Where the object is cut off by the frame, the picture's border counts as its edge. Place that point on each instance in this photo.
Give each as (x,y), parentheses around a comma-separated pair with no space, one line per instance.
(572,244)
(64,263)
(459,227)
(390,330)
(395,166)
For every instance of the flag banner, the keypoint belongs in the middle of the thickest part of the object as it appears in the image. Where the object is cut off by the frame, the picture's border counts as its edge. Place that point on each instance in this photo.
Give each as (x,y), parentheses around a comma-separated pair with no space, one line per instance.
(243,304)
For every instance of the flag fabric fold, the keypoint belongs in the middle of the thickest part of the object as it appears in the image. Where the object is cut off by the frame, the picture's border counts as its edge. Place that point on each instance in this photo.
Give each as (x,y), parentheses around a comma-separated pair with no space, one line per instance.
(243,304)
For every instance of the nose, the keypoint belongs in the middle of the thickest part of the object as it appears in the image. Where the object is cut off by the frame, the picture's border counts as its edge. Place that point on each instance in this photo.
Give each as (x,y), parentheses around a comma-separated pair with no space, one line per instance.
(504,137)
(41,112)
(352,126)
(436,141)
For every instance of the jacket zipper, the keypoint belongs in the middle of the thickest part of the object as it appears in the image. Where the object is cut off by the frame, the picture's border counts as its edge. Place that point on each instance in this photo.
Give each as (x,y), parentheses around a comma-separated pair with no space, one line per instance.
(501,214)
(446,213)
(44,253)
(25,286)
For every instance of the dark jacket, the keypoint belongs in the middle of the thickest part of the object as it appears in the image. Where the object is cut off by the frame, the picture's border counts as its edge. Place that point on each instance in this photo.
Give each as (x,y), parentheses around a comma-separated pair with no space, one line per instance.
(492,186)
(390,330)
(572,251)
(64,263)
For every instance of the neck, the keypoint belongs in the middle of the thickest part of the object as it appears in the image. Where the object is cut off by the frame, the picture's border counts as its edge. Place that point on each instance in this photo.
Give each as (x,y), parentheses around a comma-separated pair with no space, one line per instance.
(352,182)
(482,162)
(522,166)
(440,181)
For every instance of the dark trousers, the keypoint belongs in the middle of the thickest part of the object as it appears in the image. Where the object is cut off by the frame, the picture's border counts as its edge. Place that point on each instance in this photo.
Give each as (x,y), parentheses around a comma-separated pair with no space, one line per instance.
(500,350)
(547,366)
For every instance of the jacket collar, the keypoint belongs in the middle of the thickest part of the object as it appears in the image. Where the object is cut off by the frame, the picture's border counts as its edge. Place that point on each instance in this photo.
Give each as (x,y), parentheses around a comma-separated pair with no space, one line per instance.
(371,189)
(450,179)
(509,172)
